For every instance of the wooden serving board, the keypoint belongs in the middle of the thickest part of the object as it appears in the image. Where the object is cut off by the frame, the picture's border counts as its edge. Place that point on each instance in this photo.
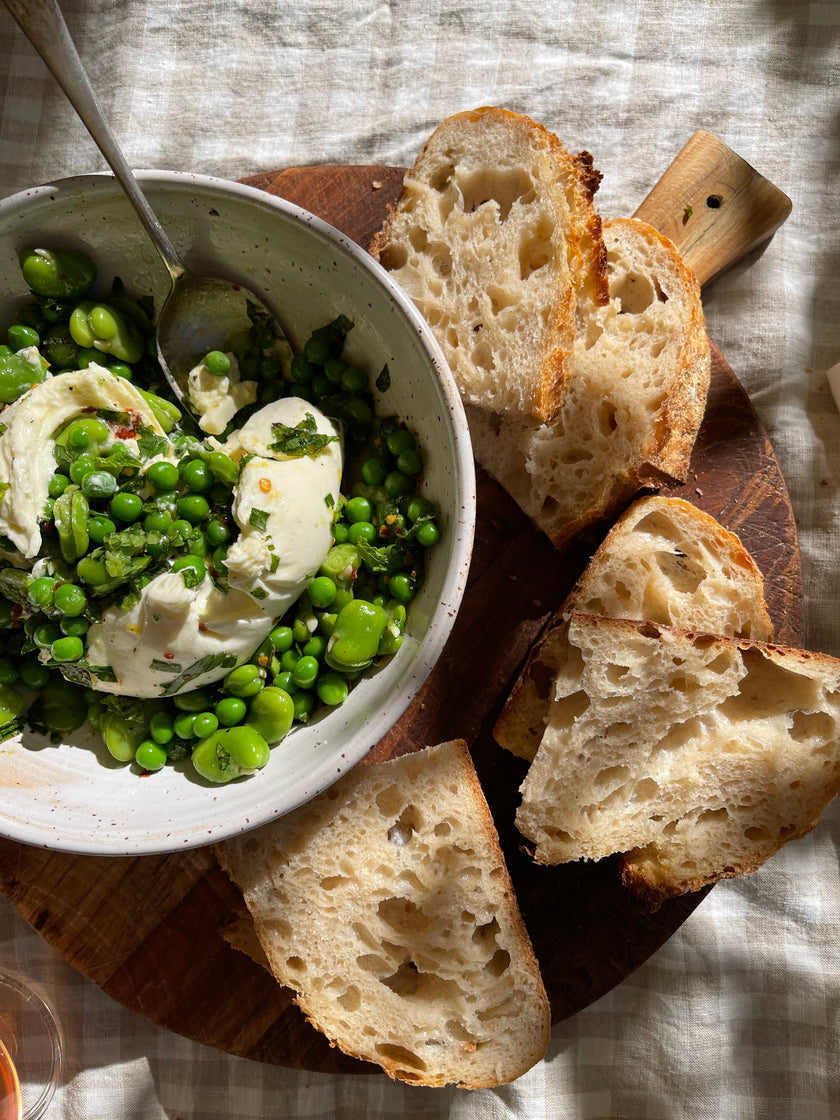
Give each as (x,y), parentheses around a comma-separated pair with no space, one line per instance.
(146,929)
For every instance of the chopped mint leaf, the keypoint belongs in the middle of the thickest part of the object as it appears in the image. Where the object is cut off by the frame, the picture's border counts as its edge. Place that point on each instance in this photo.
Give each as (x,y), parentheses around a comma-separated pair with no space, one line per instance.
(329,501)
(383,381)
(302,439)
(198,668)
(260,593)
(259,519)
(164,666)
(149,444)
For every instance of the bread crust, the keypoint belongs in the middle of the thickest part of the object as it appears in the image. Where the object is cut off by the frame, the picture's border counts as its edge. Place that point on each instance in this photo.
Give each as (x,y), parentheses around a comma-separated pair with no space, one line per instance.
(631,416)
(386,906)
(469,269)
(697,756)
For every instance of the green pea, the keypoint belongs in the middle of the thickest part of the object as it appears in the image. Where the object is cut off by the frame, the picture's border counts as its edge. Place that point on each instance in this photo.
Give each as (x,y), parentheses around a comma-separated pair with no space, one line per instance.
(162,475)
(399,440)
(418,507)
(183,724)
(354,380)
(69,599)
(230,753)
(94,714)
(281,638)
(99,527)
(150,756)
(401,586)
(398,485)
(304,703)
(41,590)
(301,370)
(121,369)
(409,462)
(69,648)
(74,626)
(373,472)
(358,509)
(288,659)
(427,534)
(217,532)
(271,713)
(64,274)
(62,705)
(305,672)
(58,484)
(98,484)
(316,647)
(11,704)
(33,674)
(193,508)
(362,531)
(179,531)
(316,350)
(332,689)
(195,474)
(243,681)
(205,724)
(322,592)
(340,533)
(191,569)
(217,362)
(333,369)
(121,736)
(157,522)
(284,680)
(194,701)
(355,639)
(92,571)
(126,507)
(161,728)
(45,634)
(230,710)
(21,336)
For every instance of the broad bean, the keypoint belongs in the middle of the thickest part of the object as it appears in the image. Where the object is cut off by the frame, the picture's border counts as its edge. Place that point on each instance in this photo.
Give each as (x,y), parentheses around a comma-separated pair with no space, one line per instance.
(271,713)
(229,753)
(356,635)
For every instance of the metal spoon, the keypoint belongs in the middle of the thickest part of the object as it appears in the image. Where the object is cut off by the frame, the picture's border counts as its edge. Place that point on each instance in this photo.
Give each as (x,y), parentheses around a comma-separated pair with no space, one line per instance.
(200,311)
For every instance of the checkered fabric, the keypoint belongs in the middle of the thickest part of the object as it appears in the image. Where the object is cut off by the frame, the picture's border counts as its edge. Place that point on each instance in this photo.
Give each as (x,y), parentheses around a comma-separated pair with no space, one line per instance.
(738,1015)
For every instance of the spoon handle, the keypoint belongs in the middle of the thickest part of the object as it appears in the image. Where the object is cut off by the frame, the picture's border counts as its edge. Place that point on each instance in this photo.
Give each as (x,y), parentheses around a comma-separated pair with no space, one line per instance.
(43,24)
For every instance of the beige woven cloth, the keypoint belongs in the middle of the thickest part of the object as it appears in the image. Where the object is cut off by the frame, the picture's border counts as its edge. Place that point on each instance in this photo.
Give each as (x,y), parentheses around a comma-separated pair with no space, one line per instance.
(738,1015)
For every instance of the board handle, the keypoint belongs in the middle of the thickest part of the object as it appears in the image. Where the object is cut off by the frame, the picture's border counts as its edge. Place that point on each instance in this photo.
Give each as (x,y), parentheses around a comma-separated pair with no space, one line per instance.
(714,206)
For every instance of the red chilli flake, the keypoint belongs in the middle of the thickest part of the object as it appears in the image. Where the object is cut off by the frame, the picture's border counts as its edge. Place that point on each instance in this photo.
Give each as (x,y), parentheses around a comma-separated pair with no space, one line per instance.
(169,655)
(126,432)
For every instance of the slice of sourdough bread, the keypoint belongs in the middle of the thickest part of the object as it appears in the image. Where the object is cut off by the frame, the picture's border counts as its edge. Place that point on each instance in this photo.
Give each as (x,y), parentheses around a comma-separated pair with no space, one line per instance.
(704,753)
(386,905)
(631,415)
(495,238)
(664,560)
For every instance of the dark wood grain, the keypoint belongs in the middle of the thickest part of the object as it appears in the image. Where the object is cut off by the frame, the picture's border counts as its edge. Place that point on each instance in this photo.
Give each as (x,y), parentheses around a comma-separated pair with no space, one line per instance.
(146,930)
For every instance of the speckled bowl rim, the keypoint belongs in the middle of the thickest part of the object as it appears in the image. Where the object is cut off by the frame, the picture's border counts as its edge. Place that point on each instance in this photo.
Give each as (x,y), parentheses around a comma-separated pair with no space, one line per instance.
(443,618)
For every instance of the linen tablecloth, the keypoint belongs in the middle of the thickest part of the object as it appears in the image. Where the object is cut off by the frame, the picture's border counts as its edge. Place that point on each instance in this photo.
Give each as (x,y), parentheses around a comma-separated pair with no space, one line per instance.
(738,1015)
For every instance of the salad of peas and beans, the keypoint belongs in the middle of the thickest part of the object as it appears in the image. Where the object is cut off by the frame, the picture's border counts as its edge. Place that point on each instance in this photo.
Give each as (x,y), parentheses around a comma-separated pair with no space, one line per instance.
(116,517)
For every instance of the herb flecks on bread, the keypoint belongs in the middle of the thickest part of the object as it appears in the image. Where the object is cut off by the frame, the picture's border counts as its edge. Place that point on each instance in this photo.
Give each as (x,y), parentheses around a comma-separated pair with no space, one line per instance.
(386,905)
(496,239)
(631,415)
(698,756)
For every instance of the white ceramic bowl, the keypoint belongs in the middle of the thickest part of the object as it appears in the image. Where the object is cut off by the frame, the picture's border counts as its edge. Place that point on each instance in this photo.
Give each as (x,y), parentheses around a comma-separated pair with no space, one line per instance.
(73,796)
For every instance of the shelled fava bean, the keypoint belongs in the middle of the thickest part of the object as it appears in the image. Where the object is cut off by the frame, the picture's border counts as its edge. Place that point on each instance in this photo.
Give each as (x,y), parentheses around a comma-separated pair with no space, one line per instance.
(104,511)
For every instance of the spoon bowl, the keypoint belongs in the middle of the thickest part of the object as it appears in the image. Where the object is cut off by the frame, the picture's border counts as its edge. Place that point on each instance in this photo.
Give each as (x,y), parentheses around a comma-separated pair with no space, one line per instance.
(200,312)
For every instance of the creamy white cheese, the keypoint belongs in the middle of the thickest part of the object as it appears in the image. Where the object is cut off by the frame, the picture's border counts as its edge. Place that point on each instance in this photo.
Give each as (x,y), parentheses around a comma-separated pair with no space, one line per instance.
(27,457)
(172,628)
(268,566)
(282,544)
(216,400)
